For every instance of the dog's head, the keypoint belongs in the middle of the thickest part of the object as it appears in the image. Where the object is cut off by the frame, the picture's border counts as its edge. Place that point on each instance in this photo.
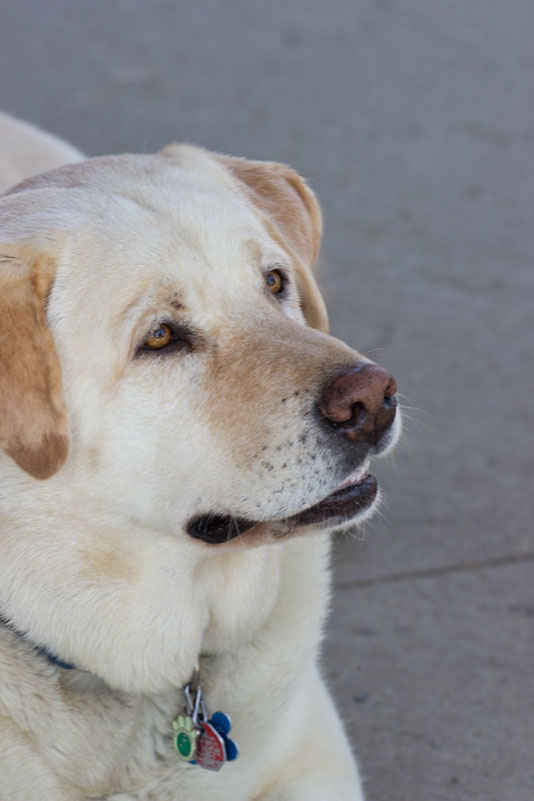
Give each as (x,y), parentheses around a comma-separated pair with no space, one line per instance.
(167,383)
(165,353)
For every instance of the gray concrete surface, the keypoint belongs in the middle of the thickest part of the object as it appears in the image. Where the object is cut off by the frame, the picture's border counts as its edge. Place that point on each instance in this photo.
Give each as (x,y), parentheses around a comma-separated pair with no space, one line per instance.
(414,121)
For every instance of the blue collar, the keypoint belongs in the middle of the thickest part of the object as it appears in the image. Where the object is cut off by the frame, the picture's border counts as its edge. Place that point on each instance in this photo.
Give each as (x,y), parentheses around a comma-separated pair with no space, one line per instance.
(41,649)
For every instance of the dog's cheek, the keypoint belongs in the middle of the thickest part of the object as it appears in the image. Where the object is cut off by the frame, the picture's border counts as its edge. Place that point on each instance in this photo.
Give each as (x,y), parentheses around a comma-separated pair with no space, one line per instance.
(150,460)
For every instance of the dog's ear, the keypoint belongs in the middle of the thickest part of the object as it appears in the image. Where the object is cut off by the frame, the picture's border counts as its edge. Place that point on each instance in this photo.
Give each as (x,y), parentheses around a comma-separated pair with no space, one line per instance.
(34,427)
(292,214)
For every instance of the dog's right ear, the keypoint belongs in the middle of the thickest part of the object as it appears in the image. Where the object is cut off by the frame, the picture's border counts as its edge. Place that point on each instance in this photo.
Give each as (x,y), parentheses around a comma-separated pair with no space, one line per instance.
(34,428)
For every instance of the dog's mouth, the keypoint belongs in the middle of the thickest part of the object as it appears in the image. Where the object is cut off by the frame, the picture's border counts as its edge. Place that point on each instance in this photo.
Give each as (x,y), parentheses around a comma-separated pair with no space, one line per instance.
(355,496)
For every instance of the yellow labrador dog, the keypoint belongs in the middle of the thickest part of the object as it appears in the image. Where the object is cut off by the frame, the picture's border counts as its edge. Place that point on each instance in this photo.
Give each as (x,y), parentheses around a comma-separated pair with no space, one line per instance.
(179,435)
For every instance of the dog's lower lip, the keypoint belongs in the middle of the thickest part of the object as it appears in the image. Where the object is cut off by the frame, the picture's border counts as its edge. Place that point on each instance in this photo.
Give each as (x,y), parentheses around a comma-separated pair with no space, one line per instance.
(341,505)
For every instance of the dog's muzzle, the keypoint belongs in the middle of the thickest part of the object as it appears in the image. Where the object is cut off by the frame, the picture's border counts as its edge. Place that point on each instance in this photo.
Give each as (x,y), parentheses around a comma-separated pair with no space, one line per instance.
(357,407)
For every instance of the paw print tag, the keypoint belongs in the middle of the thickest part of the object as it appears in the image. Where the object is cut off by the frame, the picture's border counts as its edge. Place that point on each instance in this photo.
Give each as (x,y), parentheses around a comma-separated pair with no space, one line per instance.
(185,737)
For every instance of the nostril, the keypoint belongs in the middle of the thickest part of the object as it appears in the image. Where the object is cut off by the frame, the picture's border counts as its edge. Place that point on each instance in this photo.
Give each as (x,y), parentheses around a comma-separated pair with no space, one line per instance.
(391,388)
(357,418)
(390,401)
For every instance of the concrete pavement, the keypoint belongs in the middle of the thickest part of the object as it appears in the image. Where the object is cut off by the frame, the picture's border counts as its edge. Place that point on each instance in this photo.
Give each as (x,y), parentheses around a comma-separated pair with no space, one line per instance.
(414,122)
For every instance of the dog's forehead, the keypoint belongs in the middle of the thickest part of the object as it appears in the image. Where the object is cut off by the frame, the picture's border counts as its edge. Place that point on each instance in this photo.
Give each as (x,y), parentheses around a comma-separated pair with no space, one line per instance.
(157,226)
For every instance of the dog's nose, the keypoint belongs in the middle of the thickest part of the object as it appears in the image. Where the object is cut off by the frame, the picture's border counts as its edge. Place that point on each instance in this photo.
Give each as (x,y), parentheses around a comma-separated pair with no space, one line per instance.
(361,402)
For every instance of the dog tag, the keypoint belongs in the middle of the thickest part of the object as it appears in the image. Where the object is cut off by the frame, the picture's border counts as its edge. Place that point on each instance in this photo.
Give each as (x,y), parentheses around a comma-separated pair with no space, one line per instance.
(223,723)
(199,739)
(210,753)
(185,737)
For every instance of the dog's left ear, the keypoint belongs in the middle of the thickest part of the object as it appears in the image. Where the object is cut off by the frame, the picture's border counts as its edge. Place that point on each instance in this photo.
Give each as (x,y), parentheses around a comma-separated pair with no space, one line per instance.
(34,428)
(291,212)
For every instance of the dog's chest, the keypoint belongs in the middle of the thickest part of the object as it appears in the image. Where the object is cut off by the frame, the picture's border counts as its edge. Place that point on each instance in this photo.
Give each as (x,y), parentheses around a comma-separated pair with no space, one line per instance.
(133,755)
(108,745)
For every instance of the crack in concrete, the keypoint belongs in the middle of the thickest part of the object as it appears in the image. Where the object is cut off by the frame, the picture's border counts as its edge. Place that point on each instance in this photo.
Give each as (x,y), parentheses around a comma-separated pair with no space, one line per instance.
(432,572)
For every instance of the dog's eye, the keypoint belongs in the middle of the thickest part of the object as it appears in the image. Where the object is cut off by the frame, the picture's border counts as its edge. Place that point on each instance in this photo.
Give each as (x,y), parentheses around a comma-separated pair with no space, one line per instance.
(166,338)
(159,338)
(275,281)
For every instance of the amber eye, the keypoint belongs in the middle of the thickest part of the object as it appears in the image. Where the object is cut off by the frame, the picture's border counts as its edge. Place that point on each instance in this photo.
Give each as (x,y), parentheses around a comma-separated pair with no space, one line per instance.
(161,337)
(275,281)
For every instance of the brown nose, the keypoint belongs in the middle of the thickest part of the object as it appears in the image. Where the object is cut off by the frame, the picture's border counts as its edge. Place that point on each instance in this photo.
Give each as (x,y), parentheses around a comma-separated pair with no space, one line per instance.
(360,401)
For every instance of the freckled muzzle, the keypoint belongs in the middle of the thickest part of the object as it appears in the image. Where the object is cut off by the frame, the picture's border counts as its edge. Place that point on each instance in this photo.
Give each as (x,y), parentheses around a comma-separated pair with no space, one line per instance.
(345,404)
(358,404)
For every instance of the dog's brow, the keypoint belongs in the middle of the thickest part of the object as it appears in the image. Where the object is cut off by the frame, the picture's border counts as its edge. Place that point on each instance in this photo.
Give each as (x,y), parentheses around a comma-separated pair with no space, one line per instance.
(261,257)
(139,303)
(176,302)
(255,251)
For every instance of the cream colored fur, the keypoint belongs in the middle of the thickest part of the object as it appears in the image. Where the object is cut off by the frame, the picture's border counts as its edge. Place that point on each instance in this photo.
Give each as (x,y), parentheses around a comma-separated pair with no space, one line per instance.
(94,561)
(26,150)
